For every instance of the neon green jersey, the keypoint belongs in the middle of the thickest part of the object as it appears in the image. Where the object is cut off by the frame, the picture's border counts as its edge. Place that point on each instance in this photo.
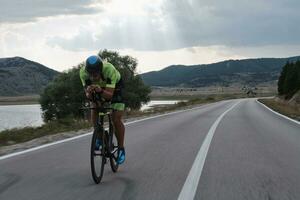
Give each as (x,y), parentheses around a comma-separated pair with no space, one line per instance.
(110,75)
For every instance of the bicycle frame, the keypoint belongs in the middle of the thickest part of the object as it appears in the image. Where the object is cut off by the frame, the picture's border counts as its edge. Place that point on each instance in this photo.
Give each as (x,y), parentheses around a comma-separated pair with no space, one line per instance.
(107,134)
(109,150)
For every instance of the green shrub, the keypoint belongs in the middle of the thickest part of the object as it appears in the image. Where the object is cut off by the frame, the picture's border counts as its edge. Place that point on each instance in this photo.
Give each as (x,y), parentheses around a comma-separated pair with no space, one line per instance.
(64,97)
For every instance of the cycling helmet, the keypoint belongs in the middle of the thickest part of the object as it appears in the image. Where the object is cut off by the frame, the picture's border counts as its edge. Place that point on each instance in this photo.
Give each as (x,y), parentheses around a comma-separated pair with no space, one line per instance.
(93,64)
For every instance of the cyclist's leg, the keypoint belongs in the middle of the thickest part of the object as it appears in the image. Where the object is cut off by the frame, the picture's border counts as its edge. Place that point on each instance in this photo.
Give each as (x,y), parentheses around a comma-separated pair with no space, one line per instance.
(119,126)
(120,129)
(118,107)
(94,114)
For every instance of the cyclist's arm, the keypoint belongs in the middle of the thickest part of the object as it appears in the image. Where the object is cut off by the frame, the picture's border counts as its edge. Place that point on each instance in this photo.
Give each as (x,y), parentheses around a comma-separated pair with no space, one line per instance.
(86,82)
(112,76)
(89,91)
(107,93)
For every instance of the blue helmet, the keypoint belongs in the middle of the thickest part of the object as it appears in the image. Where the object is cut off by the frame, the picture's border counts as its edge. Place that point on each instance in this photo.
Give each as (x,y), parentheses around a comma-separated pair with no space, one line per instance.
(93,64)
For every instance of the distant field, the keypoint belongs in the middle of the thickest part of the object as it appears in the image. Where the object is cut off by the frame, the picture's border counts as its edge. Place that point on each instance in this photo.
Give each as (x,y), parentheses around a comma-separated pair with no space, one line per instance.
(20,100)
(205,92)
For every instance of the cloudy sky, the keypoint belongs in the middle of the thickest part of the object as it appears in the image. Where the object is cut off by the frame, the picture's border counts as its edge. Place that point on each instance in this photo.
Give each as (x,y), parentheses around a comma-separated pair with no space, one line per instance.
(62,33)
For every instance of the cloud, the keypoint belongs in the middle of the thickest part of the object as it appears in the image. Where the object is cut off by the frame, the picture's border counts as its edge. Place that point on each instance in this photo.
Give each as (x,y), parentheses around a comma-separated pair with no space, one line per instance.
(133,32)
(180,24)
(235,23)
(13,11)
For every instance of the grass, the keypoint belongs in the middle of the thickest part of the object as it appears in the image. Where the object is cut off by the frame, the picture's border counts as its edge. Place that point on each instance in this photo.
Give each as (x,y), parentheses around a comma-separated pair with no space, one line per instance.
(283,108)
(14,136)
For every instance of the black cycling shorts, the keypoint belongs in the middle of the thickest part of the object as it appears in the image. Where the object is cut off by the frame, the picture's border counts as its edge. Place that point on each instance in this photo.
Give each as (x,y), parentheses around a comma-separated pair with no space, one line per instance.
(118,92)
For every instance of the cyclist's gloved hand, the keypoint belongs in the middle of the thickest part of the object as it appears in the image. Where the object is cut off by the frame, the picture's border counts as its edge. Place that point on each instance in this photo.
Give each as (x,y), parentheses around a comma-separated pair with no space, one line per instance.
(91,88)
(98,89)
(93,91)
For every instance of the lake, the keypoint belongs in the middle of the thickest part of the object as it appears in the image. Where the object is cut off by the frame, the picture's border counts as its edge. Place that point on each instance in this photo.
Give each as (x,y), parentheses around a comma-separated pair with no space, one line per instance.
(18,116)
(14,116)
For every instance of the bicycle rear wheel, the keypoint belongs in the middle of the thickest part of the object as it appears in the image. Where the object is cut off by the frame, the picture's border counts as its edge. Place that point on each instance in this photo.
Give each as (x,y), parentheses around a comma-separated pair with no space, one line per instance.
(97,157)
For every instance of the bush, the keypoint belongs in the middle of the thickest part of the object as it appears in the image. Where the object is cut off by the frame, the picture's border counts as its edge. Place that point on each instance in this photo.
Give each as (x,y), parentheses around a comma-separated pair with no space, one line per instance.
(64,96)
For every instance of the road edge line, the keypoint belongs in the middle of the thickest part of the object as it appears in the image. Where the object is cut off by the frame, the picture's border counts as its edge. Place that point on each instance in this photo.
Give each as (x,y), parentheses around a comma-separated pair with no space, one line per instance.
(189,188)
(277,113)
(43,146)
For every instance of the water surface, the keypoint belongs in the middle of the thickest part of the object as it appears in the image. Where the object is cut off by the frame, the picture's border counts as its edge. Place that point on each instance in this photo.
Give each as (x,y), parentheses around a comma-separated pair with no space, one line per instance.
(17,116)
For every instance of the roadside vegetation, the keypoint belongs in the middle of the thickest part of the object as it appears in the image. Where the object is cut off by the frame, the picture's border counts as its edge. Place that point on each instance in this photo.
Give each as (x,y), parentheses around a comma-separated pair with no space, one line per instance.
(283,108)
(288,100)
(14,136)
(289,80)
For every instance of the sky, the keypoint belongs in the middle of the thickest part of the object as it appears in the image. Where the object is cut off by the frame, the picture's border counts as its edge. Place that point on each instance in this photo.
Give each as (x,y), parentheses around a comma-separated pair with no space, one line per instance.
(62,33)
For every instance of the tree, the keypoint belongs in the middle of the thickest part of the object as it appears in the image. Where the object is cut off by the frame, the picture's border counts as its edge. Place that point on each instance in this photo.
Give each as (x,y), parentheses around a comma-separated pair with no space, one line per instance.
(282,79)
(64,96)
(290,82)
(297,71)
(135,92)
(289,79)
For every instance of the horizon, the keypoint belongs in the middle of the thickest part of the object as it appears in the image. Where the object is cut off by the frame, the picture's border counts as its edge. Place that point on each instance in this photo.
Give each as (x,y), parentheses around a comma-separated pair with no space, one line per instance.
(159,33)
(165,66)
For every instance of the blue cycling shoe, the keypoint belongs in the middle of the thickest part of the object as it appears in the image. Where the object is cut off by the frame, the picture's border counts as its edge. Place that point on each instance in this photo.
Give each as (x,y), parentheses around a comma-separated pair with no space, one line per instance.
(98,144)
(121,156)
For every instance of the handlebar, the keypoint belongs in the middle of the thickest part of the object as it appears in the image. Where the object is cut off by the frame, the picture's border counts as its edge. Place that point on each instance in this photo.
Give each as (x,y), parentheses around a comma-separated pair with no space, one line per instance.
(101,104)
(96,97)
(99,108)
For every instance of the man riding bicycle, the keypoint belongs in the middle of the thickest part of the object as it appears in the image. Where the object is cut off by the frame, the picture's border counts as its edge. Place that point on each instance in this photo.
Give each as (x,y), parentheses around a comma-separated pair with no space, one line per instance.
(104,79)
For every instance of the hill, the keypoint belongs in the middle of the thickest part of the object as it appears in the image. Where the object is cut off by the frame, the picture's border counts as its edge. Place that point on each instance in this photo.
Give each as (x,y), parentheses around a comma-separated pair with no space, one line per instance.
(249,72)
(19,76)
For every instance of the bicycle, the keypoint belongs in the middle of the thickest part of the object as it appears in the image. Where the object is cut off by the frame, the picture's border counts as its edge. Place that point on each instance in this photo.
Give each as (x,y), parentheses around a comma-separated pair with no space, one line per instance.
(108,149)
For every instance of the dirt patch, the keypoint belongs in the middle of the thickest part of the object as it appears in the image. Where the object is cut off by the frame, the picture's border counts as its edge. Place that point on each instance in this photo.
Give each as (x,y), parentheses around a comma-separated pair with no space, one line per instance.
(295,100)
(284,107)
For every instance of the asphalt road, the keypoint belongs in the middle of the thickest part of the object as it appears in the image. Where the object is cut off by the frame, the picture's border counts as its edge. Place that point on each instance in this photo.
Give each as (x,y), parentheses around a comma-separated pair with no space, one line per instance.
(252,154)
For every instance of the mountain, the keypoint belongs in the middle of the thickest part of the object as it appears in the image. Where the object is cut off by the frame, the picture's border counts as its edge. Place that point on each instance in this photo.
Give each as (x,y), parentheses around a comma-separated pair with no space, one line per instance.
(242,72)
(19,76)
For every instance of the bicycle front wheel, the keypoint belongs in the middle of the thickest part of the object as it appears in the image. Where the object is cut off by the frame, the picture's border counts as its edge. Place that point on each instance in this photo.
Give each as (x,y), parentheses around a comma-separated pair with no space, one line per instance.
(97,156)
(113,153)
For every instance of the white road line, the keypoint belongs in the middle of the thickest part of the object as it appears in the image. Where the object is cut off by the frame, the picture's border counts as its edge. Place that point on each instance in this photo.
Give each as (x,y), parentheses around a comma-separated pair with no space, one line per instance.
(297,122)
(190,186)
(87,134)
(42,146)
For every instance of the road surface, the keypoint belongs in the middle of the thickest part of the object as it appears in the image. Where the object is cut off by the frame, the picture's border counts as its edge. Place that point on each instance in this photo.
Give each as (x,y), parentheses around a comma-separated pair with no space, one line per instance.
(234,149)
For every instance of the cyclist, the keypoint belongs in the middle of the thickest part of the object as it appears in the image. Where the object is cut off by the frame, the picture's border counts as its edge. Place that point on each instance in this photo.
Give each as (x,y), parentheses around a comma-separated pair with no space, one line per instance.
(103,78)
